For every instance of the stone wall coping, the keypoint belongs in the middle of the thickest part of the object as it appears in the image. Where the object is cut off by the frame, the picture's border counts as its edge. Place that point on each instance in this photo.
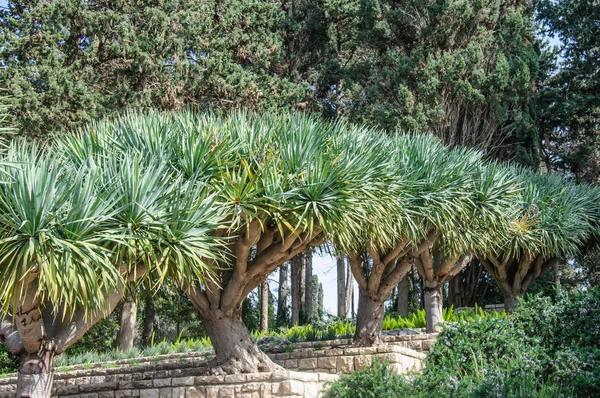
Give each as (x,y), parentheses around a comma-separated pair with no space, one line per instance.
(348,351)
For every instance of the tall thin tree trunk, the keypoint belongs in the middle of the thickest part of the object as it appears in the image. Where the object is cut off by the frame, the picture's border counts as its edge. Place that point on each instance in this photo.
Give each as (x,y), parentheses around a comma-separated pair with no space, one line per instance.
(149,313)
(403,292)
(308,285)
(264,307)
(282,296)
(128,322)
(296,265)
(352,301)
(433,297)
(349,293)
(342,310)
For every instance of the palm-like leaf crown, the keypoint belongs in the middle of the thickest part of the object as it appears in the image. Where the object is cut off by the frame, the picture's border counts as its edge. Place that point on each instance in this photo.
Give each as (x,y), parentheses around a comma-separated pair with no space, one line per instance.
(556,217)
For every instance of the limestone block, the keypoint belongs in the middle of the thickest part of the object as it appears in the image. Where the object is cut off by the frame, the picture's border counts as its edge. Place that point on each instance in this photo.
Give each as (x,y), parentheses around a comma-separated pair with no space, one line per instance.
(123,393)
(178,392)
(215,379)
(307,363)
(248,395)
(361,362)
(197,392)
(291,364)
(235,378)
(250,387)
(291,387)
(150,393)
(161,382)
(166,392)
(266,390)
(106,394)
(227,392)
(327,363)
(345,364)
(415,345)
(311,390)
(182,381)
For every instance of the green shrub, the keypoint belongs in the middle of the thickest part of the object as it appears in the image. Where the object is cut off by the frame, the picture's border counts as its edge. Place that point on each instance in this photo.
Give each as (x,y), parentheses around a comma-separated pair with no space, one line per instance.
(375,381)
(8,362)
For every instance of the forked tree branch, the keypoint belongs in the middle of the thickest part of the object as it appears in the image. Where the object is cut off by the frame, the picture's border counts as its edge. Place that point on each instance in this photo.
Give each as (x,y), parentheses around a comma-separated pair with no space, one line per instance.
(9,336)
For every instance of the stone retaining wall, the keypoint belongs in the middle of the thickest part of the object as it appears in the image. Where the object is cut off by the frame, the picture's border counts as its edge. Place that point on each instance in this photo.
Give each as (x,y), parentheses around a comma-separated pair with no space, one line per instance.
(346,360)
(182,375)
(160,384)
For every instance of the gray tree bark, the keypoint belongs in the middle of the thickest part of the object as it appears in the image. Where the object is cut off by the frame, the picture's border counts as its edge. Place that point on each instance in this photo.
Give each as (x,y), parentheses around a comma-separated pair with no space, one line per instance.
(341,286)
(282,295)
(149,313)
(264,307)
(235,350)
(308,286)
(402,305)
(36,374)
(127,326)
(297,282)
(433,297)
(368,321)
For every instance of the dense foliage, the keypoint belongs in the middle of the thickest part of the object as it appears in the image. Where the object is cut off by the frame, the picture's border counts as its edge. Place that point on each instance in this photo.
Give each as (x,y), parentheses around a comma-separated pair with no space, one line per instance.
(569,99)
(68,62)
(464,70)
(547,348)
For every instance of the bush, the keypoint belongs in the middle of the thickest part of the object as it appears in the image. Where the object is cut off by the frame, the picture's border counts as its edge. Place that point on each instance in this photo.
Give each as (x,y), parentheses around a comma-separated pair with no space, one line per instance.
(372,382)
(8,362)
(549,347)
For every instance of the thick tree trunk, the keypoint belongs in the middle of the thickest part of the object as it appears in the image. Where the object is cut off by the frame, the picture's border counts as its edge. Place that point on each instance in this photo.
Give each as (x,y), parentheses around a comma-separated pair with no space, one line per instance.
(308,286)
(235,350)
(127,327)
(35,375)
(402,307)
(282,296)
(369,321)
(433,298)
(149,313)
(264,307)
(509,302)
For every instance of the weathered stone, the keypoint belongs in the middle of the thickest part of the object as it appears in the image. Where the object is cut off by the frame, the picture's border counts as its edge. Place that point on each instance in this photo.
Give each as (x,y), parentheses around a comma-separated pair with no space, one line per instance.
(215,379)
(345,364)
(106,394)
(67,390)
(235,378)
(196,392)
(307,363)
(161,382)
(361,362)
(227,392)
(327,363)
(166,392)
(182,381)
(178,392)
(291,387)
(150,393)
(123,393)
